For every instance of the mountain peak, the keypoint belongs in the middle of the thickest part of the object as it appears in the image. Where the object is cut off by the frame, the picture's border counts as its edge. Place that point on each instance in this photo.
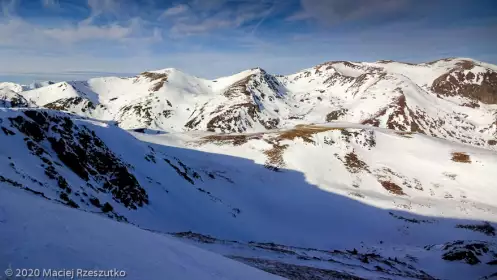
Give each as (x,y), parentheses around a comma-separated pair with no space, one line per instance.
(163,71)
(258,69)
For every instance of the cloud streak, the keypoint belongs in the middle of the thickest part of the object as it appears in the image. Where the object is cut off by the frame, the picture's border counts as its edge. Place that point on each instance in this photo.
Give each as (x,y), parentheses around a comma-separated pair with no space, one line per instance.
(219,37)
(175,10)
(200,17)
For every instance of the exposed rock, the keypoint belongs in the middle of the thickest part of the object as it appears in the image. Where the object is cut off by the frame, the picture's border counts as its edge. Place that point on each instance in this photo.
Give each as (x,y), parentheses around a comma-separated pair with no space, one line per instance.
(84,153)
(480,87)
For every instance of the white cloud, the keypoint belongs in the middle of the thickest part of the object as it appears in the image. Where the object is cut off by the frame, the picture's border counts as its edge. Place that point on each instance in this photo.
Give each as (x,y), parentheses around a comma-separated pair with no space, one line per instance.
(205,17)
(104,6)
(176,10)
(66,36)
(83,32)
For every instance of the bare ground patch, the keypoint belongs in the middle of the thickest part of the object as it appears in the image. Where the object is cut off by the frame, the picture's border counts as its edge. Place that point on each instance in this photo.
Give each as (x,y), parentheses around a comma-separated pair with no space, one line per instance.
(392,187)
(275,157)
(236,140)
(275,154)
(305,132)
(461,157)
(354,164)
(161,78)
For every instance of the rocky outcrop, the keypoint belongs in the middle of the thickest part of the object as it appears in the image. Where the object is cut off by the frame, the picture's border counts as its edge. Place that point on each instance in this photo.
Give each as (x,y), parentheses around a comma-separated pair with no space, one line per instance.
(464,81)
(83,152)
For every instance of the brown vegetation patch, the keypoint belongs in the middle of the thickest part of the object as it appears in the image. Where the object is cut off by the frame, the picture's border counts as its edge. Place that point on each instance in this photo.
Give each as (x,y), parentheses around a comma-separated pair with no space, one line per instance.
(392,187)
(492,142)
(236,140)
(354,164)
(154,76)
(161,78)
(305,132)
(239,87)
(275,154)
(275,157)
(461,157)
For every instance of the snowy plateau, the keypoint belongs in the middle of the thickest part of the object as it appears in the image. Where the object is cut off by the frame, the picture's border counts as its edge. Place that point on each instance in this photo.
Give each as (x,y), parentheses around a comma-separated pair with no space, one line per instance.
(346,170)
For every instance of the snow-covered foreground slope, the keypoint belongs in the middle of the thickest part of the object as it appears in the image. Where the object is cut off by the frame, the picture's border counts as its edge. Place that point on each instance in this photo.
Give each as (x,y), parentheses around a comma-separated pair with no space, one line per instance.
(454,99)
(314,200)
(52,239)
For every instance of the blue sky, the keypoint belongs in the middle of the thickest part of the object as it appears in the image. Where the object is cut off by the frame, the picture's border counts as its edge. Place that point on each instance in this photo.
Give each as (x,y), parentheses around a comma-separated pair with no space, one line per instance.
(77,39)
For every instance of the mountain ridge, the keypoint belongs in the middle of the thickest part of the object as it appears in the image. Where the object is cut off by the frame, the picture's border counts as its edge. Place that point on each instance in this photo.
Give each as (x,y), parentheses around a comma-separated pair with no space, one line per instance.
(385,94)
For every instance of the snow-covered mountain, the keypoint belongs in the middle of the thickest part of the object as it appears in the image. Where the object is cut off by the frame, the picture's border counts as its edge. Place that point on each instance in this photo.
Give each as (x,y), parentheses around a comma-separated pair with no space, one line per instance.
(10,97)
(451,98)
(332,172)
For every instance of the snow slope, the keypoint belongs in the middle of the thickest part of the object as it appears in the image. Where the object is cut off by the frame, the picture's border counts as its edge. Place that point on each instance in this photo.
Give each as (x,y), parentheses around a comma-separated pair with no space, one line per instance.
(37,234)
(317,187)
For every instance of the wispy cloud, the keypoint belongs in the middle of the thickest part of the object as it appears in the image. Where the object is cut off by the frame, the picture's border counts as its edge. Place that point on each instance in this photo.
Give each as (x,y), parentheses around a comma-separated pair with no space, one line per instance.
(19,33)
(200,17)
(73,34)
(175,10)
(99,7)
(219,37)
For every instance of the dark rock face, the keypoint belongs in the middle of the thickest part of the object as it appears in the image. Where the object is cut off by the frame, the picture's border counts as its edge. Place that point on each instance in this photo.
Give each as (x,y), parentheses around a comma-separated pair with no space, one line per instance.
(468,252)
(159,78)
(142,111)
(402,118)
(231,119)
(335,115)
(247,111)
(67,103)
(480,87)
(82,152)
(13,100)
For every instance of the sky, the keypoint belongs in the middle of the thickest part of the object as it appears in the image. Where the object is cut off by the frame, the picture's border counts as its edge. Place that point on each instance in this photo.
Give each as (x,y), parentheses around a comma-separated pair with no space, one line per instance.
(78,39)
